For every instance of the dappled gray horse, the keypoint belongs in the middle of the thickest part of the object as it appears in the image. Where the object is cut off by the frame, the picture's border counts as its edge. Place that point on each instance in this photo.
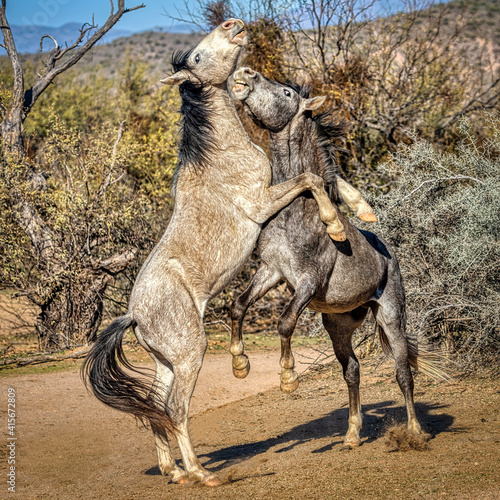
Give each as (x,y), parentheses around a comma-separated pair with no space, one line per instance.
(223,195)
(342,280)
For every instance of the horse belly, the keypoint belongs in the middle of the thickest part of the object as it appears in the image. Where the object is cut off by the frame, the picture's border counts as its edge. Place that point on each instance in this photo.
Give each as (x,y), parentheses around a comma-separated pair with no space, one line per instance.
(350,287)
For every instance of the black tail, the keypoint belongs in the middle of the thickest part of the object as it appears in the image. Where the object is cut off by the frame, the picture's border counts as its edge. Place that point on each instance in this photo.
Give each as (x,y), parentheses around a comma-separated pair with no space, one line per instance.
(102,371)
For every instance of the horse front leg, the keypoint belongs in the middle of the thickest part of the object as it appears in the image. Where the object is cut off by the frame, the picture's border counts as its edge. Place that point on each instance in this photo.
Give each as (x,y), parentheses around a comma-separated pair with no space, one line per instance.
(279,196)
(286,326)
(355,201)
(264,279)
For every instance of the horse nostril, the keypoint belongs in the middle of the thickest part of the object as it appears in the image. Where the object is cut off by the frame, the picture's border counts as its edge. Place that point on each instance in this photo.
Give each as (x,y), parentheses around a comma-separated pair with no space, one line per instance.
(250,72)
(229,24)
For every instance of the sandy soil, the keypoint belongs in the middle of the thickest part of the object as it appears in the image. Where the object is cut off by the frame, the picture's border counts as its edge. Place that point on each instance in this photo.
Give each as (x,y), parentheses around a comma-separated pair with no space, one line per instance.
(264,444)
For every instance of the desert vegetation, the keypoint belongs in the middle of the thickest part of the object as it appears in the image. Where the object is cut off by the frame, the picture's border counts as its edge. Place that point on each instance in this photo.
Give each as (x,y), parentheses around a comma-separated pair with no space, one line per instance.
(89,149)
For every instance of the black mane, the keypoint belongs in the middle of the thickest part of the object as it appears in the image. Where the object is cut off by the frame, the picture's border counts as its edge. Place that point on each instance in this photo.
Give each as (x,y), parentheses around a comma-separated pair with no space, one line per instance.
(197,143)
(179,60)
(328,134)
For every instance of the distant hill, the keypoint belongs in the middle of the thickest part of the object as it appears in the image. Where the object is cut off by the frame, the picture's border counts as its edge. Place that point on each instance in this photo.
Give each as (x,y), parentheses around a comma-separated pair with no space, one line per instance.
(28,37)
(155,47)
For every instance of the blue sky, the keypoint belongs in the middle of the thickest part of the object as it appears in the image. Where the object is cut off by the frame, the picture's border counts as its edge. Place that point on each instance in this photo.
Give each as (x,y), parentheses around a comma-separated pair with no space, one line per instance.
(55,13)
(58,12)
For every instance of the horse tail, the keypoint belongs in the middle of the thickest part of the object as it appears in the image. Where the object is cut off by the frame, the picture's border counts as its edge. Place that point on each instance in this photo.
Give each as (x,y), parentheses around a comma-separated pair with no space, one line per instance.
(422,358)
(103,373)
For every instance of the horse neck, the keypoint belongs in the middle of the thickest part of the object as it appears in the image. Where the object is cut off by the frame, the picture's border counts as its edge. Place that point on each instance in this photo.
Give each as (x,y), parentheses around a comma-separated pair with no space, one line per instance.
(211,127)
(227,125)
(295,150)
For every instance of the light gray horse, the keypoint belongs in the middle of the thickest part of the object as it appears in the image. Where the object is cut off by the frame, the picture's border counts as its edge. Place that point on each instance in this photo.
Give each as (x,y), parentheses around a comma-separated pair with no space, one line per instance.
(223,195)
(342,280)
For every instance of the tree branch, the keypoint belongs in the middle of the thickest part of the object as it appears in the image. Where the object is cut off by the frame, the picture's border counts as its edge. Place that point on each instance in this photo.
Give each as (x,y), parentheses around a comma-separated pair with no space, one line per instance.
(18,88)
(430,181)
(52,70)
(118,262)
(80,353)
(107,180)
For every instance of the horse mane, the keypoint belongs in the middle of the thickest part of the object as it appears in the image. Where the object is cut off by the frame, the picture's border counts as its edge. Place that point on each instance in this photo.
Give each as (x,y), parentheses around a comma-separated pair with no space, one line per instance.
(197,141)
(328,133)
(179,60)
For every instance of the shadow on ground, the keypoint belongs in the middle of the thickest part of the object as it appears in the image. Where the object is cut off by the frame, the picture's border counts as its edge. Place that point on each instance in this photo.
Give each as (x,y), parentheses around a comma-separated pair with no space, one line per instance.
(376,419)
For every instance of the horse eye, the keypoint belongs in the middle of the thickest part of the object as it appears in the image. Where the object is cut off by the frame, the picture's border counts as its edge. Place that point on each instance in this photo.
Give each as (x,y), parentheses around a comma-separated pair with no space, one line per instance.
(197,58)
(287,93)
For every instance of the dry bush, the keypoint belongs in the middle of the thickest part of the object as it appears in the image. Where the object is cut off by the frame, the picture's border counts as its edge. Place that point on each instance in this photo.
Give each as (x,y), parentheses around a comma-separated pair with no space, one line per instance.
(414,70)
(441,216)
(216,12)
(104,196)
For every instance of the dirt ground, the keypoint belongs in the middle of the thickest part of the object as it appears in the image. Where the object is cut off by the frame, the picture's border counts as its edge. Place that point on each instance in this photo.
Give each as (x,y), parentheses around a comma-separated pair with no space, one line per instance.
(262,443)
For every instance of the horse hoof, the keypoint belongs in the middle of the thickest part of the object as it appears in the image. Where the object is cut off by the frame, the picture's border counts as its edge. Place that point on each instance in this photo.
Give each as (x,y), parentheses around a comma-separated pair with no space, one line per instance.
(241,373)
(211,481)
(368,217)
(338,236)
(241,366)
(289,388)
(180,479)
(349,445)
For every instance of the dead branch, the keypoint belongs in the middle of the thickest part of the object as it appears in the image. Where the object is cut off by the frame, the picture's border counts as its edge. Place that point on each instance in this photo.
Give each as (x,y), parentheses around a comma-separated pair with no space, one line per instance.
(118,262)
(74,52)
(430,181)
(52,38)
(107,180)
(36,360)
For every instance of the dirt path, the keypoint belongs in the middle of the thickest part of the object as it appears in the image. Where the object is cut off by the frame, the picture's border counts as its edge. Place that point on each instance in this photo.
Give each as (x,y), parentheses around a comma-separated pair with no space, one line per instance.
(263,443)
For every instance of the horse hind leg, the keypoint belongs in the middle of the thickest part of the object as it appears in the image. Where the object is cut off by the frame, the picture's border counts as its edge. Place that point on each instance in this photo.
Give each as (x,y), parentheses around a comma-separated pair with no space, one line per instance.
(166,462)
(341,327)
(186,374)
(180,353)
(286,326)
(391,318)
(263,280)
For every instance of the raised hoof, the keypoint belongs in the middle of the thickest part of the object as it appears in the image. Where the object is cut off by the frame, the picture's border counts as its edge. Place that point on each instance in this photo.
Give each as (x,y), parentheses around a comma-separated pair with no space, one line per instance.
(211,481)
(289,388)
(241,366)
(338,236)
(241,373)
(368,217)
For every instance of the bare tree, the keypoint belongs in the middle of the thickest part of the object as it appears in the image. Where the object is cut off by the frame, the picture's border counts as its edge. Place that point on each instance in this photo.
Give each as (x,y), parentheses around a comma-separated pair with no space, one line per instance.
(386,72)
(60,318)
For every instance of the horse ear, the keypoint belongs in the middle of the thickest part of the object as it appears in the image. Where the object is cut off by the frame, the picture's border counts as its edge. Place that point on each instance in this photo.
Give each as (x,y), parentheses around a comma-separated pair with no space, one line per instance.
(314,103)
(178,78)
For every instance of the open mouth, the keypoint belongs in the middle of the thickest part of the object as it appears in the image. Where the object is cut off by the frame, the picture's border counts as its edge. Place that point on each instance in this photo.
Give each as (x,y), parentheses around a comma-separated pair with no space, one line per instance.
(241,89)
(241,37)
(239,85)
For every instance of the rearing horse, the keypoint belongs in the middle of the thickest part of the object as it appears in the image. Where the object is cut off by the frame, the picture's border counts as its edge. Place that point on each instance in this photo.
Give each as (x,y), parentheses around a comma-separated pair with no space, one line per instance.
(223,195)
(342,280)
